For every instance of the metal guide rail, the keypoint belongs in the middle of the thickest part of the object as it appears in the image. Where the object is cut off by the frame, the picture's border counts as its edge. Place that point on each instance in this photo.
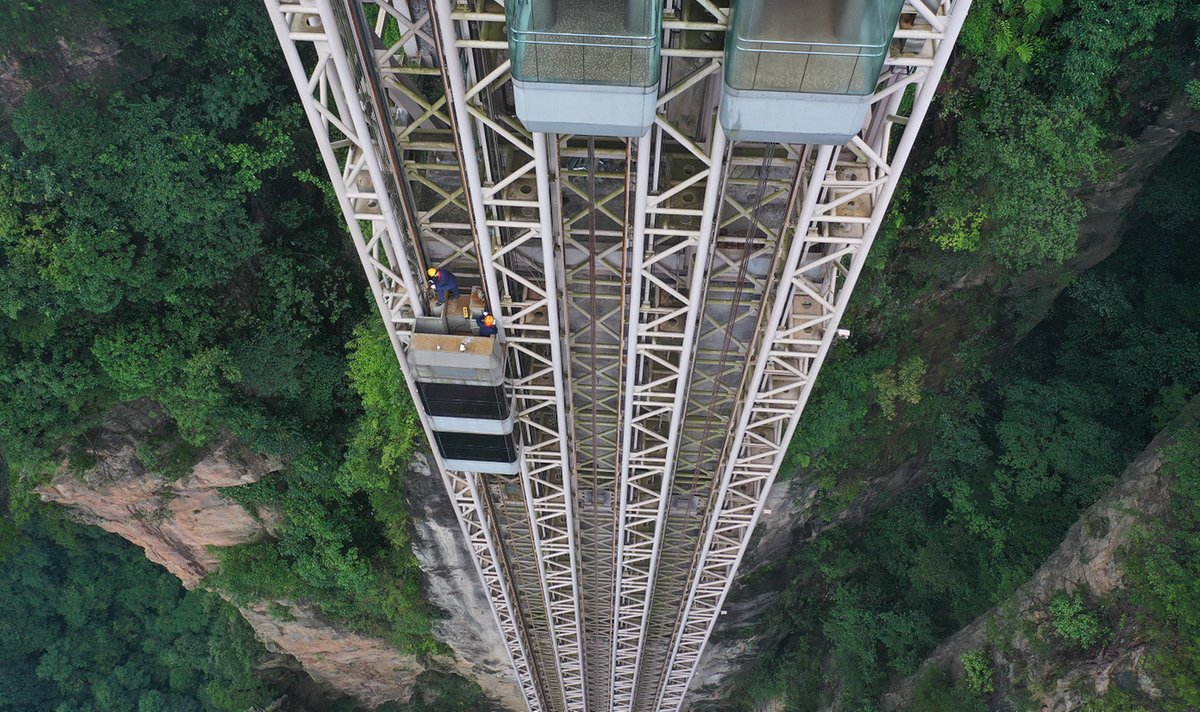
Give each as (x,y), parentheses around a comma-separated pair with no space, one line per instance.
(845,198)
(665,302)
(593,202)
(672,243)
(522,271)
(755,199)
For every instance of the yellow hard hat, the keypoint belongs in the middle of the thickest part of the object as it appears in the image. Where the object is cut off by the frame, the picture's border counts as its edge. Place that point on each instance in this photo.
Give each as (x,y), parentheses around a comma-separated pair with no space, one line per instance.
(432,272)
(489,320)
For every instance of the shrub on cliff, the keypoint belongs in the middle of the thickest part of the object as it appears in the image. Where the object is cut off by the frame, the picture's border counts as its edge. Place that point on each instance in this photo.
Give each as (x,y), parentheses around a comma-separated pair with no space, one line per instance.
(1163,568)
(343,540)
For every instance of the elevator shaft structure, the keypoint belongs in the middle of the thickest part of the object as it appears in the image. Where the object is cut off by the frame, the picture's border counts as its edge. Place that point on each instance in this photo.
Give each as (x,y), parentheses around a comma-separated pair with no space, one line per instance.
(665,296)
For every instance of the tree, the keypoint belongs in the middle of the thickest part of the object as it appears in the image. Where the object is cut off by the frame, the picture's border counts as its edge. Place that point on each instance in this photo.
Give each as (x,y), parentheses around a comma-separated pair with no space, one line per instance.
(90,624)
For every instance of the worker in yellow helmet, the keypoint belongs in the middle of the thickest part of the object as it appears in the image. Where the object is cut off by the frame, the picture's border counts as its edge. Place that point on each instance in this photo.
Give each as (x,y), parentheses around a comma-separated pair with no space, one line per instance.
(487,324)
(443,282)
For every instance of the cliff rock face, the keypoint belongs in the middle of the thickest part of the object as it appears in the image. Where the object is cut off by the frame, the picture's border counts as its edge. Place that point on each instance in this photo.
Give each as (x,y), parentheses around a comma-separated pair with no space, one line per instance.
(91,58)
(176,521)
(452,584)
(364,668)
(1085,561)
(1107,203)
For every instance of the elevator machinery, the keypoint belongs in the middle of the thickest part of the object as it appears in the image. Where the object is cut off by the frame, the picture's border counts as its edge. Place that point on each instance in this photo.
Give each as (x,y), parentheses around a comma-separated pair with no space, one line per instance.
(667,207)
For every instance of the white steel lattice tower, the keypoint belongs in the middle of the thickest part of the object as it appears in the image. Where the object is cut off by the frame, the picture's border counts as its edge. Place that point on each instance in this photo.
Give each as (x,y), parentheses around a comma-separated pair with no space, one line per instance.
(664,301)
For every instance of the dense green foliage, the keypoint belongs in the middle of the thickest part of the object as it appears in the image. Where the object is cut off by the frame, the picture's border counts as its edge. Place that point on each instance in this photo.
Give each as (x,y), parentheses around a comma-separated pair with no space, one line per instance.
(162,237)
(1034,116)
(1073,621)
(91,625)
(136,260)
(1163,567)
(1017,441)
(1018,452)
(343,543)
(977,672)
(934,692)
(442,692)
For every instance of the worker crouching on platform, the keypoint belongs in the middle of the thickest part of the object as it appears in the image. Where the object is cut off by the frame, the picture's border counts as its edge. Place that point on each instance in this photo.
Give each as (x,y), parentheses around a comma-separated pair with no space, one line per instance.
(487,324)
(443,282)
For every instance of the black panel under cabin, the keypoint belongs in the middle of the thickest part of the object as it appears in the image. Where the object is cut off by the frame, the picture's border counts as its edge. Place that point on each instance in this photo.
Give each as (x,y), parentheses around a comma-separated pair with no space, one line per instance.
(480,448)
(452,400)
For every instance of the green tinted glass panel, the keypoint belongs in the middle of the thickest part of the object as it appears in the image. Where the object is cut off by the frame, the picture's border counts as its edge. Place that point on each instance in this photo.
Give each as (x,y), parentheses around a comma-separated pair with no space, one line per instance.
(453,400)
(472,446)
(586,41)
(818,46)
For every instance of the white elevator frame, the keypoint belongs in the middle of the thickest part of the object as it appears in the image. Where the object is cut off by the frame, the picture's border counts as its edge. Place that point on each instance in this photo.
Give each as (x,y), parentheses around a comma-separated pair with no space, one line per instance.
(842,195)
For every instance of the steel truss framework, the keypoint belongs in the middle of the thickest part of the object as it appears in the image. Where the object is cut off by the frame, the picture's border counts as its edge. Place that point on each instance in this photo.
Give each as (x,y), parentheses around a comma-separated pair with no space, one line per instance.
(666,304)
(334,92)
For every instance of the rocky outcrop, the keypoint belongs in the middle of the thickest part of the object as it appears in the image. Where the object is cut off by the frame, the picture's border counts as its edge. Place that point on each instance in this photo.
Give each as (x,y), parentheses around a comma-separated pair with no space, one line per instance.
(177,521)
(91,58)
(1087,562)
(1107,205)
(367,669)
(174,522)
(452,584)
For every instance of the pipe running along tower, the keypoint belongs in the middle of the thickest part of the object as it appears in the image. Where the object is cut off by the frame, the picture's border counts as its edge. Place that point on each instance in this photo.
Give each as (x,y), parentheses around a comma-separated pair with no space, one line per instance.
(666,204)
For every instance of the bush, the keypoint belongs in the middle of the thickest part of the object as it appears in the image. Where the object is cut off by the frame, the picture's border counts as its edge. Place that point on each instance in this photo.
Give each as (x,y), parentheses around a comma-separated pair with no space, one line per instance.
(977,672)
(899,384)
(935,692)
(1073,622)
(1162,564)
(343,540)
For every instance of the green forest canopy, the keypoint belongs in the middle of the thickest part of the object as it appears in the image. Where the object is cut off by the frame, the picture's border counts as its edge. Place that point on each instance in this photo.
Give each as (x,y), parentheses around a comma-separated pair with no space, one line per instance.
(162,236)
(91,626)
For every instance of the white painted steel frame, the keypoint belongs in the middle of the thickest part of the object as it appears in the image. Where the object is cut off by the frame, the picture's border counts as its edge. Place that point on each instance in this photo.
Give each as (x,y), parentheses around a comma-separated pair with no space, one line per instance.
(656,377)
(594,180)
(832,231)
(829,232)
(758,198)
(358,184)
(530,318)
(660,367)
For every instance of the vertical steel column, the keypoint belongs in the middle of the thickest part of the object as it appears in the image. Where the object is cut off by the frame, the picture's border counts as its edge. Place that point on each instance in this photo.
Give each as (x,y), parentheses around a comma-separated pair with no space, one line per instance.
(359,197)
(504,244)
(383,181)
(472,518)
(624,661)
(769,419)
(646,472)
(593,181)
(566,592)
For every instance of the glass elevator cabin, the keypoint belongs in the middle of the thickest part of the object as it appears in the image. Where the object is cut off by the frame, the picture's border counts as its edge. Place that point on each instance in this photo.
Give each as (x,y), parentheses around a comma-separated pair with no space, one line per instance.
(460,378)
(585,67)
(803,71)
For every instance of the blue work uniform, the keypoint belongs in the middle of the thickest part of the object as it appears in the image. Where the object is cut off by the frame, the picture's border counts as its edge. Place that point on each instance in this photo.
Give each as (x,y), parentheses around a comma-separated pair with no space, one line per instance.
(484,329)
(445,283)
